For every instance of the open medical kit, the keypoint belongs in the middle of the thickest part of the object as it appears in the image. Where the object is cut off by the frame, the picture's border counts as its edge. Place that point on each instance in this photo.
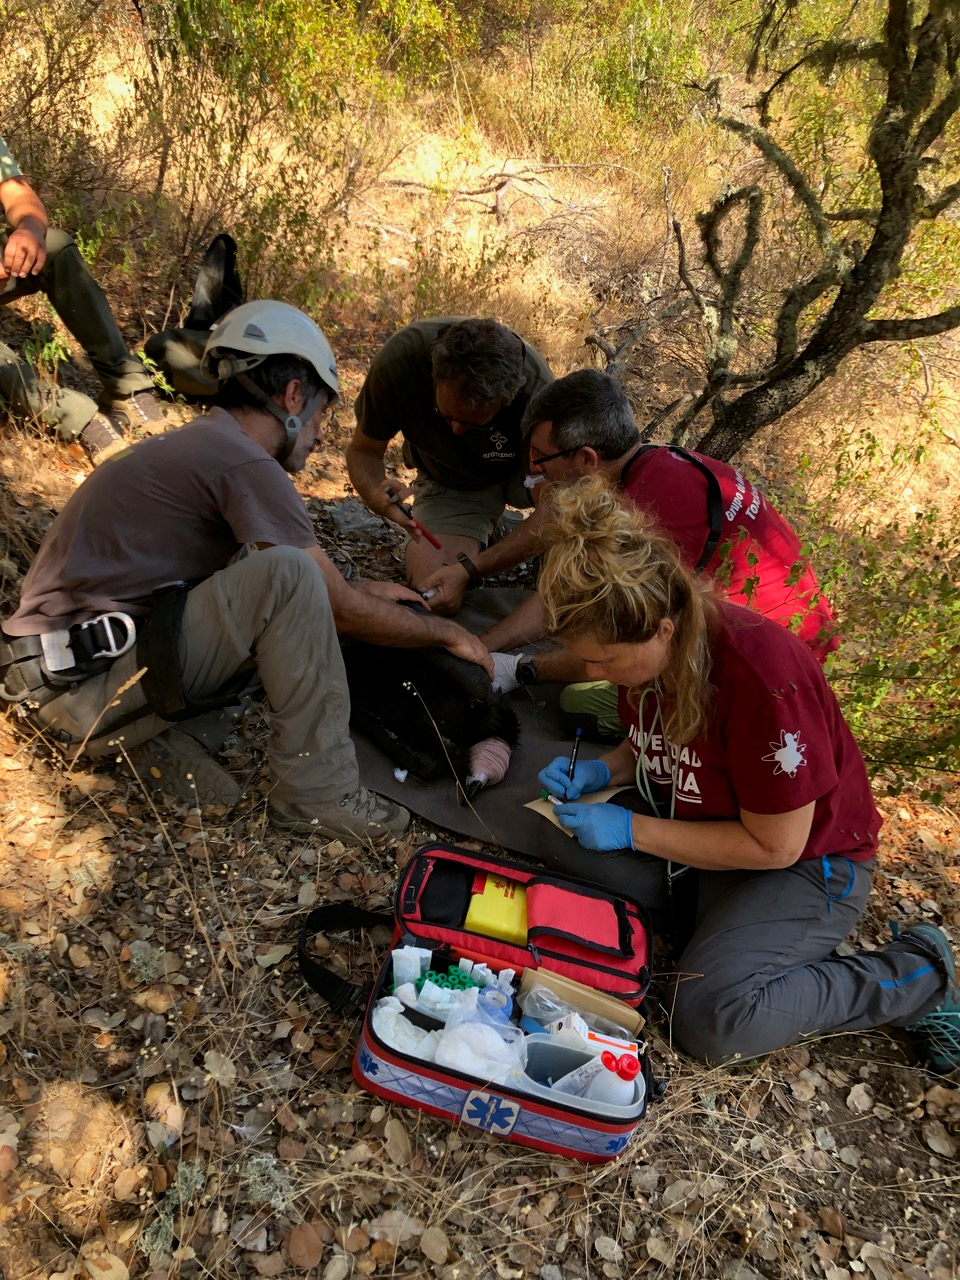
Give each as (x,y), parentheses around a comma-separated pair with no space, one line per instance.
(508,1002)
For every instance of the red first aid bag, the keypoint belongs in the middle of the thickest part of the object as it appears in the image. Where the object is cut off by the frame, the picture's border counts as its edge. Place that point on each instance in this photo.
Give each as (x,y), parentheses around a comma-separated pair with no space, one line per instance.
(577,932)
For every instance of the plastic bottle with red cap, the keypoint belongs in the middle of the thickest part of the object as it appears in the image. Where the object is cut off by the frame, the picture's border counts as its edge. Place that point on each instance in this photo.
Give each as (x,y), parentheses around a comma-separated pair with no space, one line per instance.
(616,1082)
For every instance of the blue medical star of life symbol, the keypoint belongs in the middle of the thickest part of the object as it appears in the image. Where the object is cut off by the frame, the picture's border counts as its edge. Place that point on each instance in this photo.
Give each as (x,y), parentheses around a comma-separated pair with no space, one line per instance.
(368,1063)
(489,1112)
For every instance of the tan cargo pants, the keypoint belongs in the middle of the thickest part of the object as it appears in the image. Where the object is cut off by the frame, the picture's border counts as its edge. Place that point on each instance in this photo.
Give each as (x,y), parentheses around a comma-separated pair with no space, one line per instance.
(269,613)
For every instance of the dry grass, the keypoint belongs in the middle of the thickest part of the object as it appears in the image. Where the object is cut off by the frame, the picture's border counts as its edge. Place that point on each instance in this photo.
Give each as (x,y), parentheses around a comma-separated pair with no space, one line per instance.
(173,1084)
(175,1103)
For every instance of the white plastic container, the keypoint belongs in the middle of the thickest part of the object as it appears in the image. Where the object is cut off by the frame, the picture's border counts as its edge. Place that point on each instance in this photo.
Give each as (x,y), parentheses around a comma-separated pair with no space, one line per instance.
(579,1080)
(549,1060)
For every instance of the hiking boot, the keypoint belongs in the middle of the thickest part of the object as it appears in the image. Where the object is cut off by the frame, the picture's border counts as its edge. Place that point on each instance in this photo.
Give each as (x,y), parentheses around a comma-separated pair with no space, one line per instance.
(361,815)
(141,410)
(939,1030)
(101,439)
(216,730)
(174,764)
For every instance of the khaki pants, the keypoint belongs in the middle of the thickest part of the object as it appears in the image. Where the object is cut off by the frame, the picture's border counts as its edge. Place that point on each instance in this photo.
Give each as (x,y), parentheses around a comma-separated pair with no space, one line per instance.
(82,306)
(269,612)
(469,513)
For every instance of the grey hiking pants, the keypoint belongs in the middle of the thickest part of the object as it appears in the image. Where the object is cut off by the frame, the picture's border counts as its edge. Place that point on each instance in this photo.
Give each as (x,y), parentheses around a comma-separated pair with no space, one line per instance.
(267,613)
(82,306)
(758,972)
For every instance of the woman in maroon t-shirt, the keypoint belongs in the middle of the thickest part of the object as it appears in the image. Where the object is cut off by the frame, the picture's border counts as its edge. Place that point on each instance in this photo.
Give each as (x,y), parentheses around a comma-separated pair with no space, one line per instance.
(740,787)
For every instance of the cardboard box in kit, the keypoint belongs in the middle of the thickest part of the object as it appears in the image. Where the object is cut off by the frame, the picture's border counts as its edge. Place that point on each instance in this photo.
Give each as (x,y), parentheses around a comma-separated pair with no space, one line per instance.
(584,999)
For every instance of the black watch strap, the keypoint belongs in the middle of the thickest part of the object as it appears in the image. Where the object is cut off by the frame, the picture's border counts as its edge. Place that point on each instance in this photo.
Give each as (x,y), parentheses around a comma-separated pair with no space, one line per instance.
(474,576)
(527,673)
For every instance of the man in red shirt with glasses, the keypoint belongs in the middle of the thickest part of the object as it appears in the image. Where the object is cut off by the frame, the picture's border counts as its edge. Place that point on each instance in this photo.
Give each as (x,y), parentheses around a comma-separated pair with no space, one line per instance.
(723,526)
(457,390)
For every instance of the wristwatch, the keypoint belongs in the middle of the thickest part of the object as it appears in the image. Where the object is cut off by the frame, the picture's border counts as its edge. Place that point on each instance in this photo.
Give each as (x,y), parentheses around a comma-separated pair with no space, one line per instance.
(526,673)
(474,576)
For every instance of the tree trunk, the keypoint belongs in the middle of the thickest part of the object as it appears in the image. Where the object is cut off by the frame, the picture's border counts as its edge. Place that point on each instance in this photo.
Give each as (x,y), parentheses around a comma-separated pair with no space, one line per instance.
(739,421)
(840,332)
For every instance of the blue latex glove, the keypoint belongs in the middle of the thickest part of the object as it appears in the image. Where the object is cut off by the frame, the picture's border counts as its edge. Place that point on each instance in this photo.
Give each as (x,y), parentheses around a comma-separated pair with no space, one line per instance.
(588,775)
(604,827)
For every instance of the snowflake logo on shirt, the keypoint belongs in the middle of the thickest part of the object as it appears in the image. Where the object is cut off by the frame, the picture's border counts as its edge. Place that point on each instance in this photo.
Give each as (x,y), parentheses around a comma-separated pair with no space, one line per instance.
(498,440)
(789,754)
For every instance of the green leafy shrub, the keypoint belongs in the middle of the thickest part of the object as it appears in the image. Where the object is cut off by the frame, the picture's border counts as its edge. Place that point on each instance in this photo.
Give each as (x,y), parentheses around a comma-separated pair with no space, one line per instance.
(892,582)
(648,57)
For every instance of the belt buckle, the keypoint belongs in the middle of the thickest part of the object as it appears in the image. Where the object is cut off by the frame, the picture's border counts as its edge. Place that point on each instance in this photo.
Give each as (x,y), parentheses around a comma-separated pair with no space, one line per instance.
(114,647)
(57,654)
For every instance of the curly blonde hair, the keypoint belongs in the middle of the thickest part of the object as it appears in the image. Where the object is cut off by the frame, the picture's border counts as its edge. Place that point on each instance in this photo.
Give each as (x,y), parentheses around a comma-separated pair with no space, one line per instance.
(608,574)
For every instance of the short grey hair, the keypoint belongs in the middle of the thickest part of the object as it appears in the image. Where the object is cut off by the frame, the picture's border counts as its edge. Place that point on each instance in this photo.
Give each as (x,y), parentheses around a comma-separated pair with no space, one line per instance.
(482,359)
(586,407)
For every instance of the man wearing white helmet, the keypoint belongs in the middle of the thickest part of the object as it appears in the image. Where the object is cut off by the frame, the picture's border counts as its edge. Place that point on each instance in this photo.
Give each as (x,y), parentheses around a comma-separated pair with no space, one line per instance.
(141,564)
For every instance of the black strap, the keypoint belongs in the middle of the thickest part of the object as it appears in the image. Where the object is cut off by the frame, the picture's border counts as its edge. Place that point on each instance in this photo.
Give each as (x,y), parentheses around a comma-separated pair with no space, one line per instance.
(474,576)
(96,641)
(338,917)
(158,651)
(714,497)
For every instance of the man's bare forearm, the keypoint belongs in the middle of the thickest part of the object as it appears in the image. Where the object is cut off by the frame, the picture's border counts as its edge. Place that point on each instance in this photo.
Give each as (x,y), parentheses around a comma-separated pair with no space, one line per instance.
(22,206)
(367,474)
(379,621)
(522,544)
(523,626)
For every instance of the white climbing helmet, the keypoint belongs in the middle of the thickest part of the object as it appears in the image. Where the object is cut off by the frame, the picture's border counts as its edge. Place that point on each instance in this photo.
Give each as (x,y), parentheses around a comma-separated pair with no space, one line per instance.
(264,328)
(250,333)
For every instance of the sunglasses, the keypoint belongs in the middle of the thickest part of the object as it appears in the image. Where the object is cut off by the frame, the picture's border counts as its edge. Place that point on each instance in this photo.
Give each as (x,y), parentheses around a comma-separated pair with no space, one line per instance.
(463,422)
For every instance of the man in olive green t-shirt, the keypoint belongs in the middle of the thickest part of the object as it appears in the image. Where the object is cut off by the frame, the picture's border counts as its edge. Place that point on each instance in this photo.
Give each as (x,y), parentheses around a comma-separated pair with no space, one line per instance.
(457,390)
(34,259)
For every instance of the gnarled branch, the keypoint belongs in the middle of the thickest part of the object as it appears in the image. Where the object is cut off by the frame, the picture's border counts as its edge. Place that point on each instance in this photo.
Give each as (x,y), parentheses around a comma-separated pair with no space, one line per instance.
(910,328)
(870,216)
(730,279)
(684,273)
(775,154)
(796,302)
(935,123)
(922,78)
(826,58)
(934,207)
